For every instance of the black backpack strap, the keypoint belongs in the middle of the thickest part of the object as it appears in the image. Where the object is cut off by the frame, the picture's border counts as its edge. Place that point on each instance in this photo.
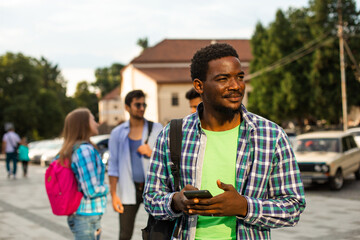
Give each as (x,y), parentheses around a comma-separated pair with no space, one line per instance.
(150,125)
(163,229)
(175,150)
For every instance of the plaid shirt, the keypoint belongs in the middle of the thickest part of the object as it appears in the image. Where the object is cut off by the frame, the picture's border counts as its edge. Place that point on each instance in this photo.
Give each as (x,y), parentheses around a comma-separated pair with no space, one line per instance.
(90,172)
(267,175)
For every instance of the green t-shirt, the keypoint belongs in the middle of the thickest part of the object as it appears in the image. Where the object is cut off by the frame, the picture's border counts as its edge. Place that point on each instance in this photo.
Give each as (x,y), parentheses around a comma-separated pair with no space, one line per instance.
(219,163)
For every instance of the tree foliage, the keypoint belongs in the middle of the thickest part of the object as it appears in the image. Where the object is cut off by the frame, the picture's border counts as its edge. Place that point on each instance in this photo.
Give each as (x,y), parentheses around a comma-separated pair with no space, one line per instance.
(108,78)
(310,87)
(85,98)
(32,96)
(143,43)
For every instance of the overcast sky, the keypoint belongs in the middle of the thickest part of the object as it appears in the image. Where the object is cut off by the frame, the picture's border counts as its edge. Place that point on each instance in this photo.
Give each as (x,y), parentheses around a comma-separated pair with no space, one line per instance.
(82,35)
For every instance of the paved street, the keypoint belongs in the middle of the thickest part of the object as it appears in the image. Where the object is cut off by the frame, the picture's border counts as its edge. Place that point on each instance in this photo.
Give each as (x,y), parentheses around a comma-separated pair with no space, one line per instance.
(25,213)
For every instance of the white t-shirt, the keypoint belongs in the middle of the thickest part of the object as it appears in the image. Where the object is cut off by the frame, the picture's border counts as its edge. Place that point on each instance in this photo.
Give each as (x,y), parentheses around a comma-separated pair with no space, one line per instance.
(11,139)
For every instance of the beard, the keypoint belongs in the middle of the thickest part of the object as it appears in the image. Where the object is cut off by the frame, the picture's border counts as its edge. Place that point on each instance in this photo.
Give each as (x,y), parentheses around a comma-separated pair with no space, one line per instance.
(137,117)
(227,112)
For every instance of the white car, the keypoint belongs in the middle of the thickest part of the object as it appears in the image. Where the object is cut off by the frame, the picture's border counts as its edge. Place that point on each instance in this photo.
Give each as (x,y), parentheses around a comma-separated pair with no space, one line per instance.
(52,149)
(327,157)
(102,142)
(356,133)
(45,151)
(37,149)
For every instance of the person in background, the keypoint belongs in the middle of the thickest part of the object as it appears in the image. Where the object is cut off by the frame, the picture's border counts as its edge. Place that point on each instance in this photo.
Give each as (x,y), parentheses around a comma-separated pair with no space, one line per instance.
(89,170)
(194,99)
(10,143)
(243,159)
(23,155)
(130,147)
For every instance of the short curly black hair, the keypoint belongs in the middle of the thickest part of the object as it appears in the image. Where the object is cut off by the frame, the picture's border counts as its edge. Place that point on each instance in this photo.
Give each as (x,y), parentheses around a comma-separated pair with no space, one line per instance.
(191,94)
(199,63)
(133,94)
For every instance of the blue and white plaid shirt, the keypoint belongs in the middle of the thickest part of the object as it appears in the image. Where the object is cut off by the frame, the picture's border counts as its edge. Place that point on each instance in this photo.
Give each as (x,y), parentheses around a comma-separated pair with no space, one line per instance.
(90,172)
(267,175)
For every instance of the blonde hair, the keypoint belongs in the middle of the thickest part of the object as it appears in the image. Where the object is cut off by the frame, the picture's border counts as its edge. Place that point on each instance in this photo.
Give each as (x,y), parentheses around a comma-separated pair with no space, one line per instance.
(76,130)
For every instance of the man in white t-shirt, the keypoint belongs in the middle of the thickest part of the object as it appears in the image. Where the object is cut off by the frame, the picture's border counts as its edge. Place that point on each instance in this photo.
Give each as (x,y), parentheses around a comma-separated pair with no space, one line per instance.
(10,142)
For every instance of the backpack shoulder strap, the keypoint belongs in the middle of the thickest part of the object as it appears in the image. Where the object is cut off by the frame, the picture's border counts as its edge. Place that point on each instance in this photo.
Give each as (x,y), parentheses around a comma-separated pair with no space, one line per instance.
(150,125)
(175,149)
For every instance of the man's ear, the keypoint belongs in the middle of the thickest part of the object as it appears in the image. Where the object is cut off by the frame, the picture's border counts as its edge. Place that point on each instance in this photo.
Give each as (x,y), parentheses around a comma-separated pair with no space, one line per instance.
(198,85)
(127,108)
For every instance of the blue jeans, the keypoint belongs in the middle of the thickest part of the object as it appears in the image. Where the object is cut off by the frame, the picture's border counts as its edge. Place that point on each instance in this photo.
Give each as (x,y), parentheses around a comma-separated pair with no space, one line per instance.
(11,156)
(85,227)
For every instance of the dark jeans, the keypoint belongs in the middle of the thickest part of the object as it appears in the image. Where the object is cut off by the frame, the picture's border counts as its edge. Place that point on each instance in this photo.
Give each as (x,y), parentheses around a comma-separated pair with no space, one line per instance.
(25,167)
(127,219)
(11,156)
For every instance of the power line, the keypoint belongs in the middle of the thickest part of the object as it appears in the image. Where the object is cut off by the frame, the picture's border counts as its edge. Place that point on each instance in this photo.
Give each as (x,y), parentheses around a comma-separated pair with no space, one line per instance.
(308,48)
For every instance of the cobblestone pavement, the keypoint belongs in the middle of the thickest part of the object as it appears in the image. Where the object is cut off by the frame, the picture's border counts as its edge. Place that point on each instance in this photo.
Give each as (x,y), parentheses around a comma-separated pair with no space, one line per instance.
(25,213)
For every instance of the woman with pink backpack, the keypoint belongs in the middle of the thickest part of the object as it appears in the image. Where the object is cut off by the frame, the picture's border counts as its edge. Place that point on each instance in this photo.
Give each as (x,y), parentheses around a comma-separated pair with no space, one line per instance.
(89,170)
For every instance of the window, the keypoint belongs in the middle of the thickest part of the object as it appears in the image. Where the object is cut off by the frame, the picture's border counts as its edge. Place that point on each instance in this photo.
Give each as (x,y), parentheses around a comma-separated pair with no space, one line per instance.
(174,99)
(352,142)
(345,144)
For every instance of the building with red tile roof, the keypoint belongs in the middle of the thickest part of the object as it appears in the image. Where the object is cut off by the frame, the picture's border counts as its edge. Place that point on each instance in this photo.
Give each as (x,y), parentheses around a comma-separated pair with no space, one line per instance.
(163,73)
(111,108)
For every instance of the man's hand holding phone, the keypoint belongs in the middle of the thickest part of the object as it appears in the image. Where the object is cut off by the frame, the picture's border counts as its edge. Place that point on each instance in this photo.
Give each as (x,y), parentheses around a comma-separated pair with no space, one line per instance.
(189,197)
(228,203)
(197,194)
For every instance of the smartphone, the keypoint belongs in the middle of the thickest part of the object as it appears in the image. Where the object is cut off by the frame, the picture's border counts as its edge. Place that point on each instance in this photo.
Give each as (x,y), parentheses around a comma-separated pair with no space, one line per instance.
(197,194)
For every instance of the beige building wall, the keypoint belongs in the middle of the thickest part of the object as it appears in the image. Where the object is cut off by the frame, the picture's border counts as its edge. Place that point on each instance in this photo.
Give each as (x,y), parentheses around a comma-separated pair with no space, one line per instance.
(111,112)
(159,96)
(135,79)
(166,110)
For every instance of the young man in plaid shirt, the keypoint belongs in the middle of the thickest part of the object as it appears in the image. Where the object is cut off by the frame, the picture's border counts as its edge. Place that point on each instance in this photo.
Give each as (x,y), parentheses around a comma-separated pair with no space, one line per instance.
(244,160)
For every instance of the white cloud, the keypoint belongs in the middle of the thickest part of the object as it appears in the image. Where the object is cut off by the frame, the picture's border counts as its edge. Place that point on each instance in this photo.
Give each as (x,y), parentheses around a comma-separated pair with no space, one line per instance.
(87,34)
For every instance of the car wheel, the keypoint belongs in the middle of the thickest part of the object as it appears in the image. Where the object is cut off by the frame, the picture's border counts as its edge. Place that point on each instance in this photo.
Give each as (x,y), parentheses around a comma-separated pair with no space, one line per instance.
(357,174)
(337,182)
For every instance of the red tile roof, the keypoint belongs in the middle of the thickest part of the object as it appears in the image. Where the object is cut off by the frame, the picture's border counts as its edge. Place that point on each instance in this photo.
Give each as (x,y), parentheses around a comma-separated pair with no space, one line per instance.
(114,94)
(172,75)
(168,75)
(182,50)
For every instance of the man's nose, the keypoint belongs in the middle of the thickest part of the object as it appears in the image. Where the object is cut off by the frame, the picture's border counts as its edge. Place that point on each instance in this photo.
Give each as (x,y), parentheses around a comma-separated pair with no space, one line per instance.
(234,83)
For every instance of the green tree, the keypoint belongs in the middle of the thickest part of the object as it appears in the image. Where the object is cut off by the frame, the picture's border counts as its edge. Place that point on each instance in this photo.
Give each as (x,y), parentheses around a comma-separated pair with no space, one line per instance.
(108,78)
(51,76)
(52,117)
(325,71)
(282,84)
(32,96)
(310,86)
(143,43)
(20,81)
(84,98)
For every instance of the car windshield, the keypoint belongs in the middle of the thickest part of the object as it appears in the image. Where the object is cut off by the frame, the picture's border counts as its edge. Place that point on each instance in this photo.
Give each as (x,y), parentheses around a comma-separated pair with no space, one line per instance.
(318,145)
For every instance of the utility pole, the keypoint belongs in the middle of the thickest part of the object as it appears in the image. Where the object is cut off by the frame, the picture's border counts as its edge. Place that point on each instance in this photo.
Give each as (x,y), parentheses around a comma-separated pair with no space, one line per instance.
(342,66)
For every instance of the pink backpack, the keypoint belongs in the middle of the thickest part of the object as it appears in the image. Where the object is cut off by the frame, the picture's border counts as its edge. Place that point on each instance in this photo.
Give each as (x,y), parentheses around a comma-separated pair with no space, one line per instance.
(62,189)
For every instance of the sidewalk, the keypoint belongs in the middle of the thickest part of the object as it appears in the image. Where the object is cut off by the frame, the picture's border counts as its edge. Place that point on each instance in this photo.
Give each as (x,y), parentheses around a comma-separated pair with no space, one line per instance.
(25,214)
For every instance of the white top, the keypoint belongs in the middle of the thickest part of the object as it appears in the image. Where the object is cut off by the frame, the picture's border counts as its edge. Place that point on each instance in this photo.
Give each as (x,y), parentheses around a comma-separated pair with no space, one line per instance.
(12,139)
